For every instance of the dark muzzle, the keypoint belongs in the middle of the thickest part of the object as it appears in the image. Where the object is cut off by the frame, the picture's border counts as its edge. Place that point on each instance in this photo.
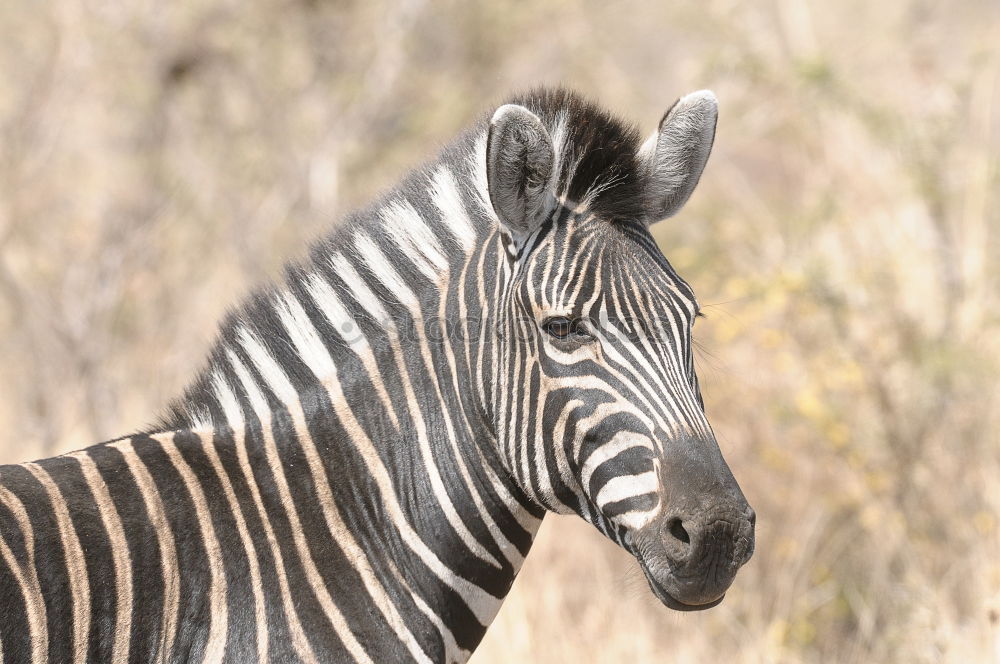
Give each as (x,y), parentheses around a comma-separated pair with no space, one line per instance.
(704,533)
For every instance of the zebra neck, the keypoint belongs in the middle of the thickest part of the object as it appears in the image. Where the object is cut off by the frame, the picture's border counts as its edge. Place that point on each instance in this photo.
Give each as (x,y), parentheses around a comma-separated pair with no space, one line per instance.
(409,304)
(364,383)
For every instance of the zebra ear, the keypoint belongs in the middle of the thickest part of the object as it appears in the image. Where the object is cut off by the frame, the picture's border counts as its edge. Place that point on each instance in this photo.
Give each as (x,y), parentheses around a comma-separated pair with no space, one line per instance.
(675,155)
(519,169)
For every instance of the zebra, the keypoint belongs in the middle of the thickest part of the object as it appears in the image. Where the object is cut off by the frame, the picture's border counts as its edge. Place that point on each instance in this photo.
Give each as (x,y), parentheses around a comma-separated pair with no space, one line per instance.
(358,472)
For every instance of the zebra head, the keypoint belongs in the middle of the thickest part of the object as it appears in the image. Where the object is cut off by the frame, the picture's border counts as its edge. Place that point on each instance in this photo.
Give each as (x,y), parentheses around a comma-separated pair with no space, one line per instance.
(598,410)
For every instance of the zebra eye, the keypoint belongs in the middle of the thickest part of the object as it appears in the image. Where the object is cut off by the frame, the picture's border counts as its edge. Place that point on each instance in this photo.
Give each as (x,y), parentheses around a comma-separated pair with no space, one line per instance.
(559,327)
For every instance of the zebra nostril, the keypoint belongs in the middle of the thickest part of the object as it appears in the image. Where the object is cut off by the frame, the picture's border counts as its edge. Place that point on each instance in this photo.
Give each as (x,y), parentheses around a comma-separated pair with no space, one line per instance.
(676,528)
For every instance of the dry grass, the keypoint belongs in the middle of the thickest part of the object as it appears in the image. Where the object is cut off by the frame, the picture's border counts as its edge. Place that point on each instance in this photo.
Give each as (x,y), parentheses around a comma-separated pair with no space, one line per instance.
(158,159)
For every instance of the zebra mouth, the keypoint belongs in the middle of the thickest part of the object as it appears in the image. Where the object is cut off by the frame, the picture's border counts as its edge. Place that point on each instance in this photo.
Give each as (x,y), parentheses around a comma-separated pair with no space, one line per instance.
(672,602)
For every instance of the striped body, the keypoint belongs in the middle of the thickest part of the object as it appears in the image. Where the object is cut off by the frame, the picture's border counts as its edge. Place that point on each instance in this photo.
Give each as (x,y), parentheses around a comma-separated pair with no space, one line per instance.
(359,471)
(183,545)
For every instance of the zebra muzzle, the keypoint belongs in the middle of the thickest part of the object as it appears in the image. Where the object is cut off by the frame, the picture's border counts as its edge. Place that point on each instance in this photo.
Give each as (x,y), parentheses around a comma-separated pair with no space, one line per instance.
(691,560)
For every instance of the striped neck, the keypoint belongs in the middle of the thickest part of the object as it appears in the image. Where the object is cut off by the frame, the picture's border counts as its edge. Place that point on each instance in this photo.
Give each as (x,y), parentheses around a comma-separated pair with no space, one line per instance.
(371,368)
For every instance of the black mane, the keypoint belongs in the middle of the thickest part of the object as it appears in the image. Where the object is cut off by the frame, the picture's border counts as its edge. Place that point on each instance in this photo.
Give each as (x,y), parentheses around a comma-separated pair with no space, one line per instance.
(599,156)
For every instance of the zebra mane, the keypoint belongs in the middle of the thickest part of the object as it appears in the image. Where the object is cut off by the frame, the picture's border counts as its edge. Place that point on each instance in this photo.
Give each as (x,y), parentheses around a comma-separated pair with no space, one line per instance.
(597,168)
(596,152)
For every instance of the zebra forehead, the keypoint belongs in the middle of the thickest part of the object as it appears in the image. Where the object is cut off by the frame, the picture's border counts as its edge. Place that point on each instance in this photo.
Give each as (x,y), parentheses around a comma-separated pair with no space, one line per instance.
(622,260)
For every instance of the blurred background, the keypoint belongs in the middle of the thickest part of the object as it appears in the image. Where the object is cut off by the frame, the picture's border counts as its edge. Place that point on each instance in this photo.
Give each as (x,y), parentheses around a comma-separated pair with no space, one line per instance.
(158,159)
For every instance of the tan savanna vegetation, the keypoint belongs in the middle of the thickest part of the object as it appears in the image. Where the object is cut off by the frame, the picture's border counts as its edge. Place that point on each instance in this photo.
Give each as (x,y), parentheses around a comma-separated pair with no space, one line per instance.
(158,159)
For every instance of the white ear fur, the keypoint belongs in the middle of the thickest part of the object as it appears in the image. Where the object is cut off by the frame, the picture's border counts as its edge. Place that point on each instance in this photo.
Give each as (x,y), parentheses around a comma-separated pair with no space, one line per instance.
(519,168)
(674,156)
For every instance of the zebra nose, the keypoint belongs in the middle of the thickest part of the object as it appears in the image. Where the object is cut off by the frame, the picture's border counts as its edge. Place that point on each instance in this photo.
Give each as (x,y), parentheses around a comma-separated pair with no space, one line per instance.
(676,539)
(724,538)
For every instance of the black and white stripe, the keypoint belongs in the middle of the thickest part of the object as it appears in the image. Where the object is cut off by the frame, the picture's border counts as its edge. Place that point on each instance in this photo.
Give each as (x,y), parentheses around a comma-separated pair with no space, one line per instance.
(360,469)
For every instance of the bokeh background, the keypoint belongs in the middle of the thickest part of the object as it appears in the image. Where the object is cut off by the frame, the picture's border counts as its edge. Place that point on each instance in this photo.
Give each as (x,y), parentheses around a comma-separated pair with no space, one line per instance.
(158,159)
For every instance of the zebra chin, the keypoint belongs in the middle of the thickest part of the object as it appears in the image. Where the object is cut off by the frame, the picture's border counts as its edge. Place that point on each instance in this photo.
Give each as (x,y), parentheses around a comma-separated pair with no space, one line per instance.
(670,601)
